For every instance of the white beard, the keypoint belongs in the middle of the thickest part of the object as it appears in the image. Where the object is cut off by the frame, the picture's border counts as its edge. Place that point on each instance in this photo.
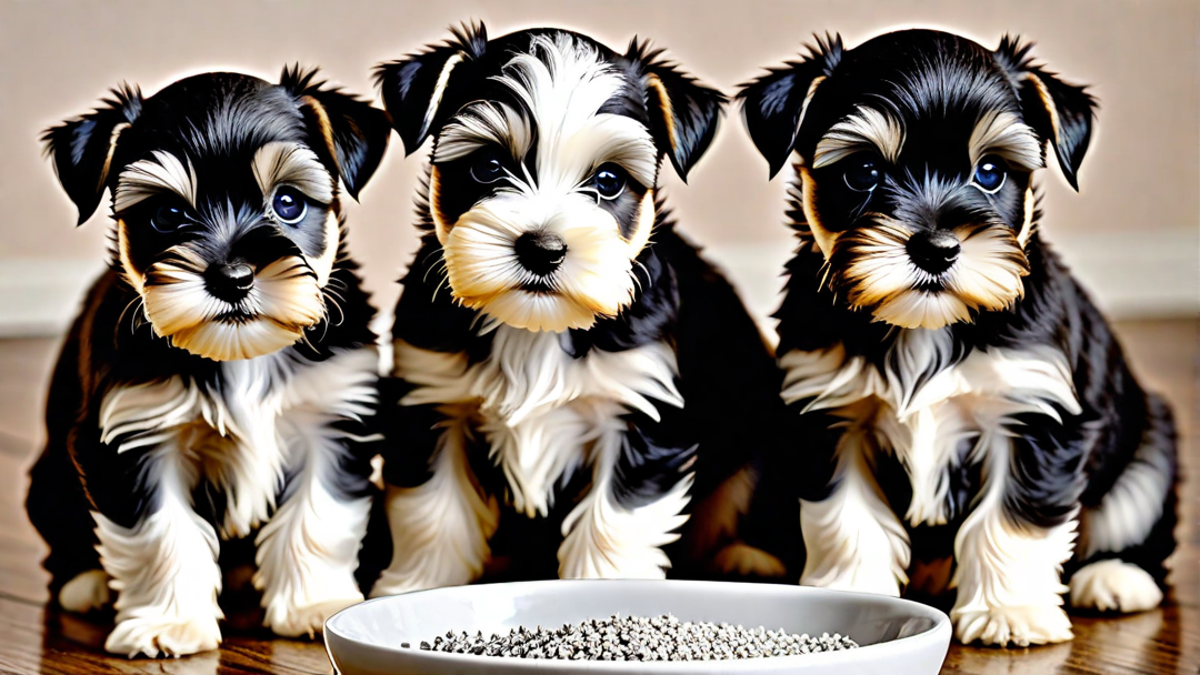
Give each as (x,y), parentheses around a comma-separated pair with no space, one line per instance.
(595,279)
(284,301)
(986,277)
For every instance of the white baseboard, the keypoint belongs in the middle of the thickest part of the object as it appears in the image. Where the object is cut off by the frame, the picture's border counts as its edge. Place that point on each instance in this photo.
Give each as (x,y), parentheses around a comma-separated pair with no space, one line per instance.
(41,297)
(1129,276)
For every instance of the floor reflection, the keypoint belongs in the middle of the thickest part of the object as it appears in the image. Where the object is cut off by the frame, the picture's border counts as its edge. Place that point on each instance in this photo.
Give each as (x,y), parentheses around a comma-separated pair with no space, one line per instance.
(74,645)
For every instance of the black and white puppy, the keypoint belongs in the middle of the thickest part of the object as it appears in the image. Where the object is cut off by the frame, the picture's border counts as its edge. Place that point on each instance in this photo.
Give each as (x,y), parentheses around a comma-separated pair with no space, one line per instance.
(563,352)
(963,403)
(219,376)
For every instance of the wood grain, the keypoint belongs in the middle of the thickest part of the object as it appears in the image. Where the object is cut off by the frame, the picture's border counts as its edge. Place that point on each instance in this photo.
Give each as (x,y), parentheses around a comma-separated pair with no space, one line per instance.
(36,640)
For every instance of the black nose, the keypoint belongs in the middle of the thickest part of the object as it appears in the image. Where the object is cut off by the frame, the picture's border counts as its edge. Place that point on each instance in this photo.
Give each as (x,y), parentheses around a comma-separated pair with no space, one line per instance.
(229,282)
(540,252)
(933,251)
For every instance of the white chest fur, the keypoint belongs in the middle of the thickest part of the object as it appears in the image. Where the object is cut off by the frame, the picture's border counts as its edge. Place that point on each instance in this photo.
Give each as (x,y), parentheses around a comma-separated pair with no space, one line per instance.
(923,413)
(238,433)
(541,409)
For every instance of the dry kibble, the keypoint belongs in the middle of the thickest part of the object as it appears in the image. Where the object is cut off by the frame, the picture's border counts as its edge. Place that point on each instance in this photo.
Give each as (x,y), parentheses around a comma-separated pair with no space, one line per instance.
(617,638)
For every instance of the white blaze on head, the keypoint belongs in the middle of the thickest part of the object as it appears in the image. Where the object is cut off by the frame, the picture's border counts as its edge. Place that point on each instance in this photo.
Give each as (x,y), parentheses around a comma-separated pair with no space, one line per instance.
(561,85)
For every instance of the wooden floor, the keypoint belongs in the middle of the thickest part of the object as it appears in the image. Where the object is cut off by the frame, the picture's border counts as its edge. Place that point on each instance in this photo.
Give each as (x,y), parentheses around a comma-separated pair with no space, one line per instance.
(32,639)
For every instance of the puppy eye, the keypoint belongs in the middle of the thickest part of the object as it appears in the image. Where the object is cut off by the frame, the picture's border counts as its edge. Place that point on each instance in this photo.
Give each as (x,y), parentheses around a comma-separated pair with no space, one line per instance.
(990,174)
(289,205)
(168,218)
(610,180)
(862,174)
(487,169)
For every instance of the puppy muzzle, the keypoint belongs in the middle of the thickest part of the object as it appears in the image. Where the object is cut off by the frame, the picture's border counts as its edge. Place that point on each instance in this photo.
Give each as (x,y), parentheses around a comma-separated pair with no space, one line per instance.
(927,278)
(540,263)
(254,303)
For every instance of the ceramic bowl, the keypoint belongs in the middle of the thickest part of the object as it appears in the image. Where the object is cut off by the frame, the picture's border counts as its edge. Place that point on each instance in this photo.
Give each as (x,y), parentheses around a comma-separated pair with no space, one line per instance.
(898,637)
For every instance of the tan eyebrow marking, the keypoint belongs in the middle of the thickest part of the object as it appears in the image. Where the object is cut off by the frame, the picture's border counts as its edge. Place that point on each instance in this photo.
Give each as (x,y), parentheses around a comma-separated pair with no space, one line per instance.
(864,129)
(293,164)
(163,172)
(1004,134)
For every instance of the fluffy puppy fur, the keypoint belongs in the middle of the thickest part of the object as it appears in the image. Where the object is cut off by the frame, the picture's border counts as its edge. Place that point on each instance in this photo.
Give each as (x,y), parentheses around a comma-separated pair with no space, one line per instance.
(220,373)
(966,415)
(563,356)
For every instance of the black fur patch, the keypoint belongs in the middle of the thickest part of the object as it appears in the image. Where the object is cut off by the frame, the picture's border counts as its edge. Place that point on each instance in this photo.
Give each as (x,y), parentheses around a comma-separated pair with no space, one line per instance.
(213,122)
(937,85)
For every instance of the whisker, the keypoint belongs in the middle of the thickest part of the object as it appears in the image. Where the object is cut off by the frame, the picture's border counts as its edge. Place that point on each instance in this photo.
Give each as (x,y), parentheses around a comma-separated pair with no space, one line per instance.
(133,323)
(637,280)
(444,282)
(441,253)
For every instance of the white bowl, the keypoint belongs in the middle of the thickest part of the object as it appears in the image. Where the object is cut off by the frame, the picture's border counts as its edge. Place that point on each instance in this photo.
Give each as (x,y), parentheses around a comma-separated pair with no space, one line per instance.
(898,637)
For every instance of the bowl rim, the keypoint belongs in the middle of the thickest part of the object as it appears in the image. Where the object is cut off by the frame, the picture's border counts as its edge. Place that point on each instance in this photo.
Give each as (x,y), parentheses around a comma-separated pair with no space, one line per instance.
(939,632)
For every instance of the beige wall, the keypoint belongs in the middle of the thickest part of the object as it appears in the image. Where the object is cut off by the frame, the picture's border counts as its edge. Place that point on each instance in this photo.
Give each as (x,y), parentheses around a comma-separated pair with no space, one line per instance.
(1141,178)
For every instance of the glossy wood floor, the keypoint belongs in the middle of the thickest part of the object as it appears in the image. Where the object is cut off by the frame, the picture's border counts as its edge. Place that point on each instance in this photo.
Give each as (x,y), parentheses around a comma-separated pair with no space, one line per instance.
(33,639)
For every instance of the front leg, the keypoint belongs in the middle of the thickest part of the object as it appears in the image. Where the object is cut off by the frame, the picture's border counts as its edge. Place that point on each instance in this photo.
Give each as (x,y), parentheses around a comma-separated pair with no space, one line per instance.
(308,551)
(440,527)
(160,555)
(640,489)
(853,539)
(1011,548)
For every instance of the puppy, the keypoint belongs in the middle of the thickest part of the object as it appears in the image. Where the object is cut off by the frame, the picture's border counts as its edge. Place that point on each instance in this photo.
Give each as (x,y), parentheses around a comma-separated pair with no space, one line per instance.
(957,393)
(564,355)
(219,375)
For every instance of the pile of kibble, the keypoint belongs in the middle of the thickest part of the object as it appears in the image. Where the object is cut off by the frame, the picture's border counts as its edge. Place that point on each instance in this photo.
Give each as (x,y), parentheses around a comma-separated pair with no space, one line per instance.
(662,638)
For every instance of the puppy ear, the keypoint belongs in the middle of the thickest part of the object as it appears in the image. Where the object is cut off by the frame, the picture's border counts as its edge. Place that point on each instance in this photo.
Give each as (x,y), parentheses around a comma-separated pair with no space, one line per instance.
(413,87)
(82,149)
(1058,111)
(773,106)
(352,135)
(684,114)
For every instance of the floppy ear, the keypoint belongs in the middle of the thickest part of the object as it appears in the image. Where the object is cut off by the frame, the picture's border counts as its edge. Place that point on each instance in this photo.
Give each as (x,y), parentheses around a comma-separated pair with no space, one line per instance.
(414,86)
(684,114)
(82,148)
(773,106)
(1060,112)
(352,135)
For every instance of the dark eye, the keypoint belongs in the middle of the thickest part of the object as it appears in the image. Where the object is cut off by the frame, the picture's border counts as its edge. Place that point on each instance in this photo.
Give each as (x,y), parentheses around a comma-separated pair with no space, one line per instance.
(289,205)
(168,218)
(990,174)
(610,180)
(862,174)
(487,169)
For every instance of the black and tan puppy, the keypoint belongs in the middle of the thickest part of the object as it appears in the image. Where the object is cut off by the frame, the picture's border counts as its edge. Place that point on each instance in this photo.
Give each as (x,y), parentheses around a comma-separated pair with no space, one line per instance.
(961,402)
(217,380)
(566,357)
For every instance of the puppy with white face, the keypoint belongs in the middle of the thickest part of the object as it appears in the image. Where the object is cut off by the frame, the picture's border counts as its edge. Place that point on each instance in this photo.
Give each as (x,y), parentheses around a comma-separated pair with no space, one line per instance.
(966,415)
(217,382)
(560,349)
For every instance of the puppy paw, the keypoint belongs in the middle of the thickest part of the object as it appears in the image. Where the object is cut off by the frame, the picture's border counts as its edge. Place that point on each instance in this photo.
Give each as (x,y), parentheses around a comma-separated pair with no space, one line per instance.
(1018,626)
(1114,586)
(86,592)
(745,560)
(157,636)
(306,619)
